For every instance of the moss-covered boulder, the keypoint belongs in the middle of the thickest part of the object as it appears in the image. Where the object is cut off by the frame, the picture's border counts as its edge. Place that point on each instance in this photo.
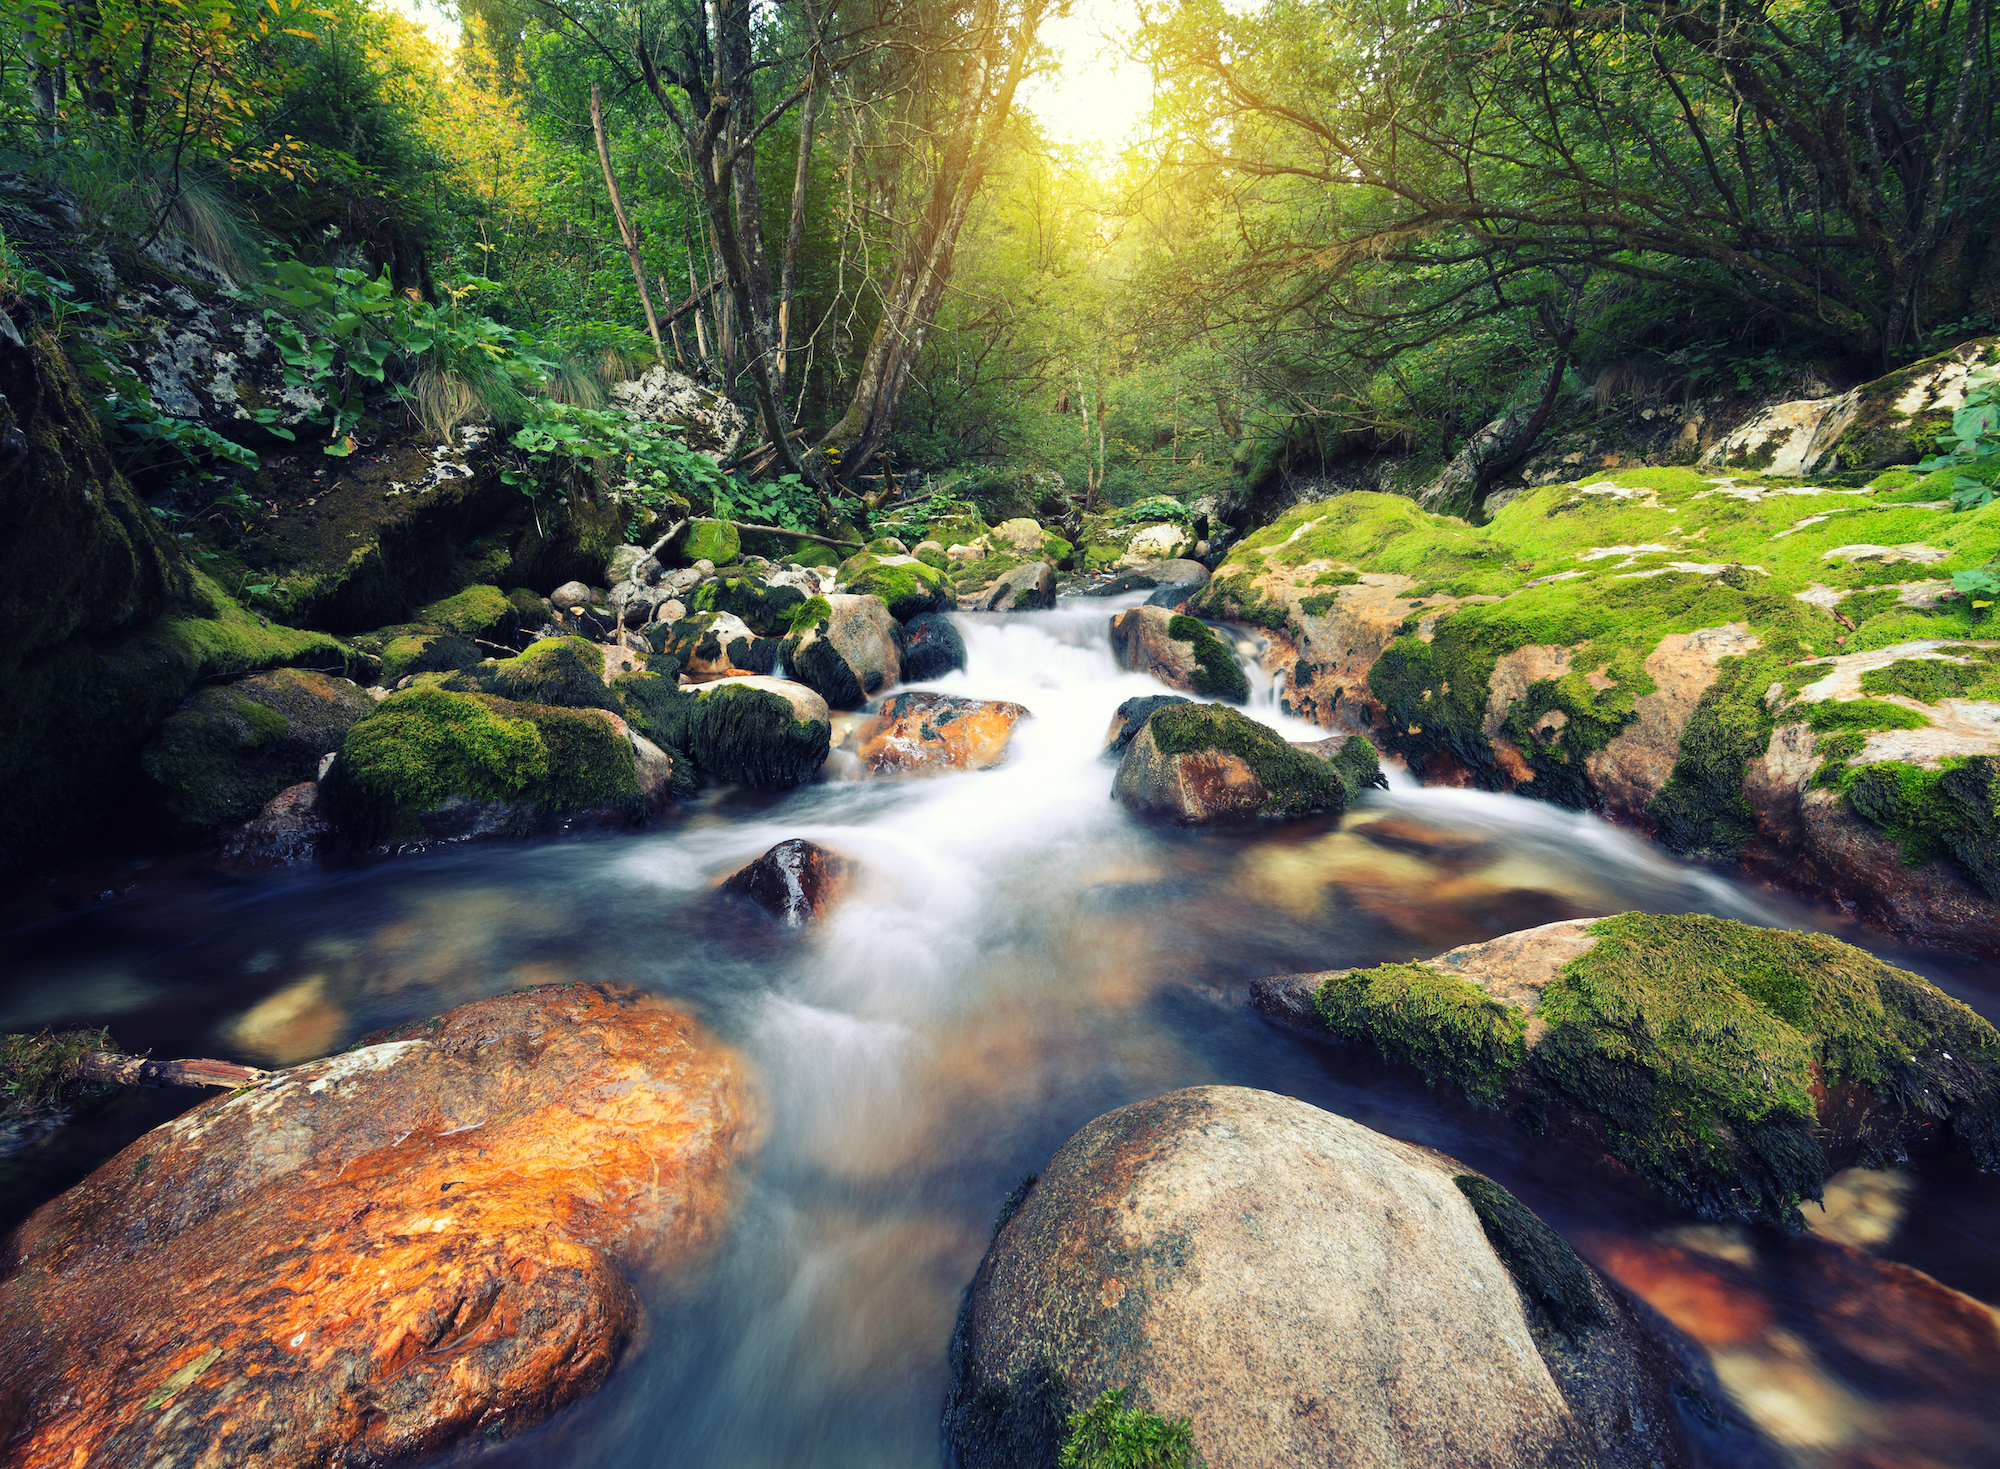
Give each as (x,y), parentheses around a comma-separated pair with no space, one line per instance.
(765,607)
(1228,1277)
(1610,646)
(1130,717)
(1732,1067)
(483,612)
(1199,764)
(229,749)
(426,651)
(1003,582)
(845,648)
(766,733)
(566,673)
(714,541)
(1180,651)
(906,585)
(432,764)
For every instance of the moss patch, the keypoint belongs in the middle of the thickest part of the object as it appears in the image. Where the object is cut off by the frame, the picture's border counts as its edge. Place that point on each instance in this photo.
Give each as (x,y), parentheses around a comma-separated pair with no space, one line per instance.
(1694,1042)
(426,652)
(750,737)
(567,673)
(711,541)
(1216,674)
(1540,1260)
(425,745)
(1855,714)
(908,588)
(1109,1435)
(1295,783)
(38,1072)
(1952,811)
(1446,1027)
(1928,680)
(478,611)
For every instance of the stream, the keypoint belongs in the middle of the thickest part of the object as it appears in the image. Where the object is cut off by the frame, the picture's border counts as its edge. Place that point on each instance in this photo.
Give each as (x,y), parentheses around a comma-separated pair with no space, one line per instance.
(1016,956)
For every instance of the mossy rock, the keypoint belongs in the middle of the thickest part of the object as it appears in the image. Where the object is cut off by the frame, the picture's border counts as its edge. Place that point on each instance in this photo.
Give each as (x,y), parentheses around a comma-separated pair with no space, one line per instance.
(658,708)
(229,749)
(933,557)
(565,673)
(77,714)
(1883,434)
(1057,551)
(1202,763)
(1718,1060)
(1216,673)
(478,612)
(714,541)
(906,585)
(425,748)
(427,652)
(765,609)
(748,732)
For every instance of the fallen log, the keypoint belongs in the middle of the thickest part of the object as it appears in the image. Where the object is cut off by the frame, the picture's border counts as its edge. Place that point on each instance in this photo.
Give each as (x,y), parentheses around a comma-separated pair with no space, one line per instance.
(112,1068)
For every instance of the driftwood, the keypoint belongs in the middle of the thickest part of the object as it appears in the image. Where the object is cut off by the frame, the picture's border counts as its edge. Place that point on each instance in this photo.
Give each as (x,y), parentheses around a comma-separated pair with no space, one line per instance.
(112,1068)
(797,535)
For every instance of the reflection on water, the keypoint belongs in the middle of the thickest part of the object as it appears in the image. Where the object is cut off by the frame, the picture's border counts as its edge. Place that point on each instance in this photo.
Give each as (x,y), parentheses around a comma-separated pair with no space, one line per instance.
(1014,957)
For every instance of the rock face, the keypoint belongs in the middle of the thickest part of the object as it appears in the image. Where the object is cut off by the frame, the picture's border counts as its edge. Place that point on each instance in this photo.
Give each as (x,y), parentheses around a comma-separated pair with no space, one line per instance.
(795,882)
(230,748)
(1179,651)
(1303,1291)
(288,832)
(922,733)
(1002,585)
(1734,1068)
(381,1254)
(1199,764)
(709,422)
(846,651)
(1684,652)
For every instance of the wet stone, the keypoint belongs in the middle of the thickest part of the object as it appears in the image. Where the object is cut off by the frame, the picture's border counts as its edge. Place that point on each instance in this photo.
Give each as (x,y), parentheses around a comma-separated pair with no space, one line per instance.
(795,882)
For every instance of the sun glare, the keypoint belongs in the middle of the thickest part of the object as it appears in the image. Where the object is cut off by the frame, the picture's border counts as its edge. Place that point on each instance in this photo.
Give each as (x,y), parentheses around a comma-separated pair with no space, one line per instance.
(1097,96)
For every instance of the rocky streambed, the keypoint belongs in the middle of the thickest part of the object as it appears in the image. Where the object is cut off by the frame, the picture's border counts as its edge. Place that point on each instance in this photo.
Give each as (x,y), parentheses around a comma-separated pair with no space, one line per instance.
(689,1139)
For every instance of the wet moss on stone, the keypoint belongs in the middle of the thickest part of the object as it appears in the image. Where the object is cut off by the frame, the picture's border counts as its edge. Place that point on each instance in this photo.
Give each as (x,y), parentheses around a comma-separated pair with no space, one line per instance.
(1952,811)
(712,541)
(1134,713)
(907,588)
(1540,1260)
(1928,680)
(1359,767)
(427,653)
(565,673)
(477,611)
(814,662)
(1216,674)
(751,737)
(1694,1041)
(1858,714)
(1109,1435)
(658,708)
(1296,784)
(763,609)
(1446,1027)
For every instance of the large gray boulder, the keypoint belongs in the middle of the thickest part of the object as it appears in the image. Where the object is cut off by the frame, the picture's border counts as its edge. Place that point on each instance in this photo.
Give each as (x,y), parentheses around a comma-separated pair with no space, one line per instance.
(1304,1292)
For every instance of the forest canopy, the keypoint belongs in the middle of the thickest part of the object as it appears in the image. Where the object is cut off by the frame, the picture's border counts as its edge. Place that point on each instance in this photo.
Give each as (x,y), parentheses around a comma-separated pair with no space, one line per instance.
(1358,228)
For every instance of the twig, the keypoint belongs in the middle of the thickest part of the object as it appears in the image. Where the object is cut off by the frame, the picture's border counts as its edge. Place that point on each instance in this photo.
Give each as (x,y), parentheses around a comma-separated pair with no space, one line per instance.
(797,535)
(112,1068)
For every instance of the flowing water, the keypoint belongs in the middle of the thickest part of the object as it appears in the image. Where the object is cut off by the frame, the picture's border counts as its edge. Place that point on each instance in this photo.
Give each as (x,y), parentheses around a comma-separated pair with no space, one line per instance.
(1016,956)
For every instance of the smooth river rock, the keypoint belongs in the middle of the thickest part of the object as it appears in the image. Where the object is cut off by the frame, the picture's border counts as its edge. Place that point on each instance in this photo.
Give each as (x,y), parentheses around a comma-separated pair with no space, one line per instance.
(796,882)
(922,733)
(1306,1292)
(380,1254)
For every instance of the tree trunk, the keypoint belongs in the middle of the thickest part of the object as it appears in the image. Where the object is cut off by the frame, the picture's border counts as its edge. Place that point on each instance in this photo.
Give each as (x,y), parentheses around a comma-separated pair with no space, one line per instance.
(993,69)
(625,232)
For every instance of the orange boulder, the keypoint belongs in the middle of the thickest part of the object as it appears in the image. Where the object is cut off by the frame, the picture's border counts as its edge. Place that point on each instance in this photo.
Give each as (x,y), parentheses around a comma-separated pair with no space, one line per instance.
(378,1254)
(930,734)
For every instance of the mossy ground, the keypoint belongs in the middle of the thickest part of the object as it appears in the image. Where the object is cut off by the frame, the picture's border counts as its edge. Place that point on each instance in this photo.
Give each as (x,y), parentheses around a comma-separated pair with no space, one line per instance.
(567,673)
(1295,784)
(1695,1044)
(1217,674)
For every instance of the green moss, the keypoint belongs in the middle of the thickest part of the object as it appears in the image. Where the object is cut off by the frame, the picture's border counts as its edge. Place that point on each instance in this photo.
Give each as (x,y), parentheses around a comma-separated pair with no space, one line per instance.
(909,588)
(1693,1041)
(1057,551)
(749,737)
(1296,784)
(566,672)
(764,609)
(1216,671)
(933,557)
(527,607)
(1952,811)
(1854,714)
(1359,767)
(426,653)
(1928,680)
(809,613)
(1238,599)
(1540,1260)
(658,708)
(38,1072)
(1446,1027)
(712,541)
(477,611)
(425,745)
(1109,1435)
(1337,579)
